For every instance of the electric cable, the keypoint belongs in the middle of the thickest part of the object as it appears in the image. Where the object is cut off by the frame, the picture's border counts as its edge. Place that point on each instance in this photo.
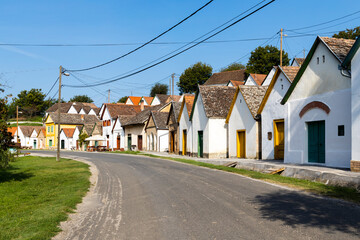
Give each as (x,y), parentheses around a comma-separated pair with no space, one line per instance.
(51,87)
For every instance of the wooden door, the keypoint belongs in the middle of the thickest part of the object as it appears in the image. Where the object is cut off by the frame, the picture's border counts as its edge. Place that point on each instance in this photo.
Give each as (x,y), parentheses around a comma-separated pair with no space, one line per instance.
(140,142)
(241,144)
(200,144)
(279,139)
(129,142)
(316,142)
(62,144)
(118,142)
(184,142)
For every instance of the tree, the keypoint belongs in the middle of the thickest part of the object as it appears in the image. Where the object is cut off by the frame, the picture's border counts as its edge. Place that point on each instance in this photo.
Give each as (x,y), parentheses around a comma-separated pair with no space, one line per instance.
(348,33)
(262,59)
(158,88)
(123,99)
(5,136)
(30,103)
(194,75)
(232,67)
(82,138)
(81,98)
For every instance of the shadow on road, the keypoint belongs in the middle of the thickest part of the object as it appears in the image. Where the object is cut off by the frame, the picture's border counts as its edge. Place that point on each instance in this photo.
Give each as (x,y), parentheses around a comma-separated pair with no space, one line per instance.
(296,209)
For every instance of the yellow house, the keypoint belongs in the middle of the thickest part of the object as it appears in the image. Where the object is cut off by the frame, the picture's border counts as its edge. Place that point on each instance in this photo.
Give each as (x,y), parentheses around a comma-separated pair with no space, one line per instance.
(67,120)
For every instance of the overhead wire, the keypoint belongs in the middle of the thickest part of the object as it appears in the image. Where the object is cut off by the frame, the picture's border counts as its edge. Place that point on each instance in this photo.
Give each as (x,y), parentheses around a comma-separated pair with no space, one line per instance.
(51,87)
(143,45)
(166,59)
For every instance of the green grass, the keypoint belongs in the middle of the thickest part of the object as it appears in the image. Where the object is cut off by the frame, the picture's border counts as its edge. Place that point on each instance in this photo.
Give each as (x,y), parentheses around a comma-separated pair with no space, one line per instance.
(349,194)
(29,119)
(37,193)
(26,124)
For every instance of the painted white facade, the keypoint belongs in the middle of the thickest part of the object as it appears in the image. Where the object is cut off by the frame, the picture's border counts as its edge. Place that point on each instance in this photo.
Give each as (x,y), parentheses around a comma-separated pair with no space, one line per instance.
(250,81)
(70,142)
(65,139)
(134,131)
(129,102)
(185,124)
(214,133)
(92,112)
(33,141)
(355,106)
(24,140)
(269,77)
(162,141)
(155,101)
(242,119)
(118,131)
(107,130)
(72,110)
(323,82)
(273,110)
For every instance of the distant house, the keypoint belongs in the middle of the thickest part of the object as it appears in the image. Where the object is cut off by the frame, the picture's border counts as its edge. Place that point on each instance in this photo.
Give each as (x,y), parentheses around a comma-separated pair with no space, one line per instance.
(27,136)
(297,62)
(255,79)
(319,107)
(157,131)
(132,100)
(72,108)
(244,123)
(173,126)
(185,127)
(147,100)
(34,136)
(351,64)
(41,138)
(269,76)
(273,113)
(161,99)
(13,132)
(209,131)
(233,83)
(110,116)
(69,137)
(223,78)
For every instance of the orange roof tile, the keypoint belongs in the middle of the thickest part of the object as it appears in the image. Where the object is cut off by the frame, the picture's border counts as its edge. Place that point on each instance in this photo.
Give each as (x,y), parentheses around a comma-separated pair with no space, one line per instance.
(69,132)
(148,99)
(135,100)
(259,78)
(12,130)
(237,83)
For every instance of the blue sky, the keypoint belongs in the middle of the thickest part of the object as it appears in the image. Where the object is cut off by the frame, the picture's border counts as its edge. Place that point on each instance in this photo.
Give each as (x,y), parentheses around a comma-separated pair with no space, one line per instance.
(137,21)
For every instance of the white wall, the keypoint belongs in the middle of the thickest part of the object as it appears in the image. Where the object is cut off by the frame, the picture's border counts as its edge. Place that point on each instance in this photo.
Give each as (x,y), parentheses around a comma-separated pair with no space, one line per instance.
(250,81)
(355,106)
(33,139)
(155,101)
(135,131)
(185,124)
(162,140)
(200,123)
(217,138)
(72,110)
(107,130)
(273,110)
(118,131)
(63,137)
(269,77)
(241,119)
(337,148)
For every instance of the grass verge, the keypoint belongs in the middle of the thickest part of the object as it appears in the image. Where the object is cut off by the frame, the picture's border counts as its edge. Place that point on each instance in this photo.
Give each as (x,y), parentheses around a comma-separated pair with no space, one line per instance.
(37,193)
(25,124)
(345,193)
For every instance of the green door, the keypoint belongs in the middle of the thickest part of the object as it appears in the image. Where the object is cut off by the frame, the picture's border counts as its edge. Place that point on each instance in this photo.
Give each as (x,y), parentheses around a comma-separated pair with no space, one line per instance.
(129,142)
(316,142)
(200,144)
(62,144)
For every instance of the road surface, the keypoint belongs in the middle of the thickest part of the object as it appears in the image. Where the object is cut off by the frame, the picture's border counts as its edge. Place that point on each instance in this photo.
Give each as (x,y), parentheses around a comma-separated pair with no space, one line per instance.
(147,198)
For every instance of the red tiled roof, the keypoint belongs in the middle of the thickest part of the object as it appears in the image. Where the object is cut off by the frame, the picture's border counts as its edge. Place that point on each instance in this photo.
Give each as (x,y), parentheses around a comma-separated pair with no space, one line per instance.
(69,132)
(12,130)
(259,78)
(237,83)
(339,46)
(148,99)
(290,71)
(135,100)
(189,101)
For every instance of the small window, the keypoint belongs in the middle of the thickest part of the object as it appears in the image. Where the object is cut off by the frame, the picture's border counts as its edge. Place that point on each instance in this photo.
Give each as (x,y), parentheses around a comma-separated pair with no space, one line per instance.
(48,129)
(323,58)
(317,60)
(282,86)
(240,100)
(341,130)
(52,128)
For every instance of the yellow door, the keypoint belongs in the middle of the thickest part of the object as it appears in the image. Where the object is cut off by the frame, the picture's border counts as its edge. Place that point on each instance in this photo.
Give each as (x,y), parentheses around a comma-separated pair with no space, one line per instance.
(241,144)
(279,140)
(184,142)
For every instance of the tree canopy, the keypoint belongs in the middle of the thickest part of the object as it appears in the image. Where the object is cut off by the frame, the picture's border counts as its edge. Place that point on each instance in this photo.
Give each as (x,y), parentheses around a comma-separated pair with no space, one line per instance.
(81,98)
(348,33)
(5,136)
(158,88)
(123,99)
(194,75)
(232,67)
(30,103)
(262,59)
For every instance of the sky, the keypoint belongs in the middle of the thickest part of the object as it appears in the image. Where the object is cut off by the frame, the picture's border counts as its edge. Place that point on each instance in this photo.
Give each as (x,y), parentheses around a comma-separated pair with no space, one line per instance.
(128,23)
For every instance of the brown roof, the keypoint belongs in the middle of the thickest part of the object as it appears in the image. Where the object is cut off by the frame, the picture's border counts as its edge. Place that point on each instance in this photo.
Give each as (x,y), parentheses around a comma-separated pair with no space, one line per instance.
(135,100)
(66,106)
(253,96)
(290,71)
(259,78)
(216,100)
(116,109)
(12,130)
(339,46)
(92,105)
(97,110)
(160,119)
(88,128)
(141,117)
(69,132)
(237,83)
(300,61)
(27,130)
(222,78)
(74,119)
(148,99)
(189,101)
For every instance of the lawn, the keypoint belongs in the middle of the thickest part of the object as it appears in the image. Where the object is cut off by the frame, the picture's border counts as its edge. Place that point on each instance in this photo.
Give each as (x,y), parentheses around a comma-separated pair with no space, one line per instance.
(37,193)
(25,124)
(349,194)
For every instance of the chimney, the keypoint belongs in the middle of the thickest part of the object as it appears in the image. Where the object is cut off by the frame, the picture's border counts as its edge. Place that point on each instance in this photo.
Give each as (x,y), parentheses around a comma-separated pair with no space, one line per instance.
(142,105)
(82,117)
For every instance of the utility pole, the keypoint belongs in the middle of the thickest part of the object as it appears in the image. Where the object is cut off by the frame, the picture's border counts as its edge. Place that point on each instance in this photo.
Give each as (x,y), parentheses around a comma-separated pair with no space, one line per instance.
(172,78)
(281,40)
(109,96)
(58,118)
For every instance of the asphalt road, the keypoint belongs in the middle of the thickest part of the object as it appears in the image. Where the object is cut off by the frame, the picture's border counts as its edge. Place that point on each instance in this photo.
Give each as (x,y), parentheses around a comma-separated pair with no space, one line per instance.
(146,198)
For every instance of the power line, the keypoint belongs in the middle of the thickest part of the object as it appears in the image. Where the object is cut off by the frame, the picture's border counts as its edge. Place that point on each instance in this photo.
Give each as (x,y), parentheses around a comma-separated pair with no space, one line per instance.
(319,24)
(182,47)
(51,87)
(143,45)
(129,75)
